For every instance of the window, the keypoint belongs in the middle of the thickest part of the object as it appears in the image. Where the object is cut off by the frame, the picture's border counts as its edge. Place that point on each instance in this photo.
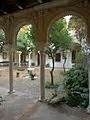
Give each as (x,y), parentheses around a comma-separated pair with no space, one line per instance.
(73,56)
(58,57)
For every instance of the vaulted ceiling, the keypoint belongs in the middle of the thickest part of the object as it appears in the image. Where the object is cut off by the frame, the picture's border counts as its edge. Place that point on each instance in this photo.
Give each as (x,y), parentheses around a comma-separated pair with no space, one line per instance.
(11,6)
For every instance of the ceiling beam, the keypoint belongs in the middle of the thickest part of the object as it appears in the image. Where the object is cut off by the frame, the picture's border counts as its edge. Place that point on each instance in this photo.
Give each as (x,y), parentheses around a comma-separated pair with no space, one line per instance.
(55,3)
(51,4)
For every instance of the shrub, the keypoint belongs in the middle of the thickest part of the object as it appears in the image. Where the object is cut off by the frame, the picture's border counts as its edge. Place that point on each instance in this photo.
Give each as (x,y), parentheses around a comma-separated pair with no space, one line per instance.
(76,85)
(57,93)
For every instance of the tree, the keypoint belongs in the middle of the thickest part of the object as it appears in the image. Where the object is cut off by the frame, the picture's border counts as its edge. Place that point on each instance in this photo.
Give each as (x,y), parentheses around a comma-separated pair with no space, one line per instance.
(79,27)
(26,41)
(2,40)
(51,51)
(58,39)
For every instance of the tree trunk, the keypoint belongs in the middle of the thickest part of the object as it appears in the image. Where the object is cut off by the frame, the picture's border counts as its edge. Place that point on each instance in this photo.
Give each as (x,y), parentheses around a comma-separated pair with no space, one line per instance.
(64,64)
(51,72)
(23,57)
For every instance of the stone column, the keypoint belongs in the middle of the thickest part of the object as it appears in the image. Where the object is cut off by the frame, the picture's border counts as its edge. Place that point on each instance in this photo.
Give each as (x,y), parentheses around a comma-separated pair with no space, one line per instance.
(10,36)
(19,59)
(88,64)
(29,62)
(42,74)
(10,71)
(41,33)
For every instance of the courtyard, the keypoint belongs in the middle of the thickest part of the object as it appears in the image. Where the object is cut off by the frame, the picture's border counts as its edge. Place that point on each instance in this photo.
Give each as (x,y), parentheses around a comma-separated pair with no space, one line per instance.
(39,41)
(24,103)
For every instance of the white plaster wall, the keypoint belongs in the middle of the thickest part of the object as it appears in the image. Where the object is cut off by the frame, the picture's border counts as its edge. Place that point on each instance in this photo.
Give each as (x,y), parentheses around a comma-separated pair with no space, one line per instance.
(57,64)
(60,64)
(1,58)
(33,60)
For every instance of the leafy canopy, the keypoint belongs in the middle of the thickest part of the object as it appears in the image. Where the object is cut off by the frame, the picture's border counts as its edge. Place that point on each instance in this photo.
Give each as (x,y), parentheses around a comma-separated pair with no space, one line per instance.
(26,39)
(2,40)
(59,38)
(78,25)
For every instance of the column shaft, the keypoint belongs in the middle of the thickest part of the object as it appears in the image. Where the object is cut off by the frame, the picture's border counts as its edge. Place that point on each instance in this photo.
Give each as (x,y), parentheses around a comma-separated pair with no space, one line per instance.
(10,71)
(29,62)
(42,74)
(19,60)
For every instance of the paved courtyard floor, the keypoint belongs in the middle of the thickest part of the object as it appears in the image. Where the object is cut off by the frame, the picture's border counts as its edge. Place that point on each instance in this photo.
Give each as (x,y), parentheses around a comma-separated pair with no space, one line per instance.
(24,105)
(42,111)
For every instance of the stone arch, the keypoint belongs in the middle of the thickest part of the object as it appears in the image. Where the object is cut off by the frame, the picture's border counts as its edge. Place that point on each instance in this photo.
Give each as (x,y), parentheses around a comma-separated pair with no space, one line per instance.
(2,27)
(63,14)
(66,13)
(3,30)
(22,23)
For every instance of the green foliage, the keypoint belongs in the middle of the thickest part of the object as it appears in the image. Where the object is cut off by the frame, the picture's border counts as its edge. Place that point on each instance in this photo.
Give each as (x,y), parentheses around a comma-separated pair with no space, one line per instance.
(59,35)
(76,84)
(78,25)
(2,40)
(26,39)
(80,57)
(58,39)
(57,93)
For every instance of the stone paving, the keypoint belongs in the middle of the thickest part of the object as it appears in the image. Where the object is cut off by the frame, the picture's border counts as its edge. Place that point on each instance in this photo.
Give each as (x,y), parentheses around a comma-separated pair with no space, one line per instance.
(16,104)
(42,111)
(26,94)
(23,105)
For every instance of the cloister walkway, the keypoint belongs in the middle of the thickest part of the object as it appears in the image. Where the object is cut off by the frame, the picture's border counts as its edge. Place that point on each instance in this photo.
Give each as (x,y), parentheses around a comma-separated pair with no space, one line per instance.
(24,105)
(21,108)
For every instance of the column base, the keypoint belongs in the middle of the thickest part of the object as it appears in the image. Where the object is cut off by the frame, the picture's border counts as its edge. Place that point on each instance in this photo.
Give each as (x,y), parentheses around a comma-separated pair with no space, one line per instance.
(11,92)
(88,109)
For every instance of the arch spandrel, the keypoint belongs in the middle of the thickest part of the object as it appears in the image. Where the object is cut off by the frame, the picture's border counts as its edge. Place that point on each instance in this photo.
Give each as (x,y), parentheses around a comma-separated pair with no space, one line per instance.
(4,26)
(56,13)
(41,25)
(53,14)
(43,18)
